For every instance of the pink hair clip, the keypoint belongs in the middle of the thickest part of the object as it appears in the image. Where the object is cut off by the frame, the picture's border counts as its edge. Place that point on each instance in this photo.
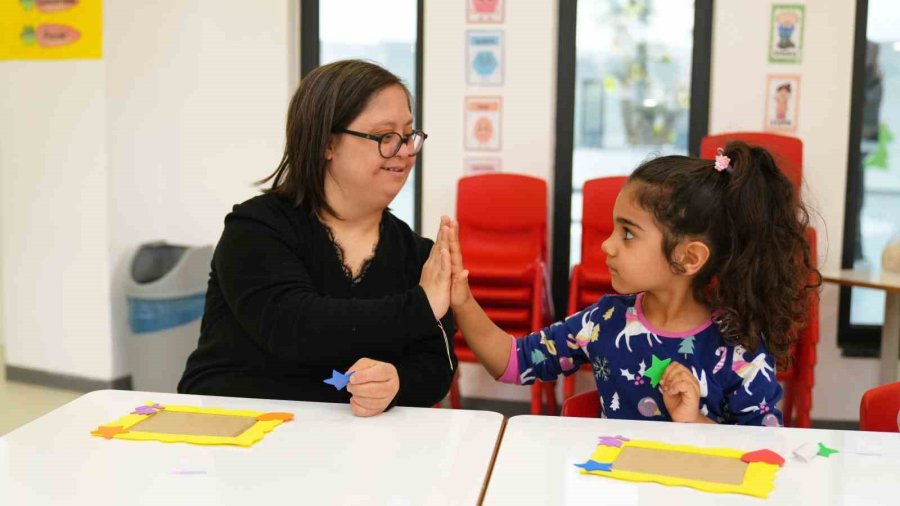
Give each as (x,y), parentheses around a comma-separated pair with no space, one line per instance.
(722,161)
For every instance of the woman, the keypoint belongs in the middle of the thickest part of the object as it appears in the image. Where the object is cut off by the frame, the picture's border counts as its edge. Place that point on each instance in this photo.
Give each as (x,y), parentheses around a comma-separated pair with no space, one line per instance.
(316,274)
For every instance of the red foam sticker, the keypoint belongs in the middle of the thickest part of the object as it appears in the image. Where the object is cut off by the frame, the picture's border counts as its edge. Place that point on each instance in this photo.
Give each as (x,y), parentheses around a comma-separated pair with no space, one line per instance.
(764,456)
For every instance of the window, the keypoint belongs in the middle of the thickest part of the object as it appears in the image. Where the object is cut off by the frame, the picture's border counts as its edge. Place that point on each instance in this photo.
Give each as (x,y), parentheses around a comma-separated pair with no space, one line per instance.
(633,83)
(329,34)
(872,214)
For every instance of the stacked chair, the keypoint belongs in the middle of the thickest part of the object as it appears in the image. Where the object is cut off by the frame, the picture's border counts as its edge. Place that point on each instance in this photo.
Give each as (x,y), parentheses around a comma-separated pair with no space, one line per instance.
(503,235)
(590,279)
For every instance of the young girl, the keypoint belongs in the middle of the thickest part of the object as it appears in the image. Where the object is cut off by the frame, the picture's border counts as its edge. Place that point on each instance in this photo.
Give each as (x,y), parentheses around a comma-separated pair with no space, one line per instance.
(715,256)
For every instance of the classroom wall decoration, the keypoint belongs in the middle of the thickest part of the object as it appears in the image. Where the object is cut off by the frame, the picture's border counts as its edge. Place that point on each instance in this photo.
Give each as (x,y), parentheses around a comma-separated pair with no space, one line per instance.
(475,166)
(484,68)
(51,29)
(484,11)
(782,102)
(188,424)
(786,33)
(484,57)
(719,470)
(482,123)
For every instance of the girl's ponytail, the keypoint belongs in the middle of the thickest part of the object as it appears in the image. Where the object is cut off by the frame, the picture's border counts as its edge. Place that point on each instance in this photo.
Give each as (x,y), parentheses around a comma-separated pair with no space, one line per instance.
(763,285)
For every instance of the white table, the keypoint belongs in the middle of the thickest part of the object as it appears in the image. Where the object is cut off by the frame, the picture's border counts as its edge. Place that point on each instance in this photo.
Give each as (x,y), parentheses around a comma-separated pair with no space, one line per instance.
(890,331)
(536,464)
(325,456)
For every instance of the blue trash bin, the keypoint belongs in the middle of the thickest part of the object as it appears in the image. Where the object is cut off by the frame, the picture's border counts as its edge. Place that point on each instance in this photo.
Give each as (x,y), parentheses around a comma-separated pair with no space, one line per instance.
(166,291)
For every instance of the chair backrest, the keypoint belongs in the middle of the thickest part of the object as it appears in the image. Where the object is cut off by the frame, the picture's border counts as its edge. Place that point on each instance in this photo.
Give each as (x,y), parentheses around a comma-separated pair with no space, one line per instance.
(583,405)
(879,409)
(804,351)
(787,151)
(502,218)
(598,199)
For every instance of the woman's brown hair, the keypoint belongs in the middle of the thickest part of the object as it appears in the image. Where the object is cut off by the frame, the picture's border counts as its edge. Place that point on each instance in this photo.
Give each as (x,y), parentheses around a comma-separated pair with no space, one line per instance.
(328,99)
(759,274)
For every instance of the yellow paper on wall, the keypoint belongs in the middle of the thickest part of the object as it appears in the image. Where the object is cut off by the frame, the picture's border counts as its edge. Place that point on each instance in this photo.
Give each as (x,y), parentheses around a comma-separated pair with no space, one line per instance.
(51,29)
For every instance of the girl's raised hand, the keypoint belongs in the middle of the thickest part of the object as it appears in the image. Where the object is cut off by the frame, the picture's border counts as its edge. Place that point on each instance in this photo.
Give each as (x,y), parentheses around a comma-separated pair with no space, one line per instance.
(459,290)
(681,393)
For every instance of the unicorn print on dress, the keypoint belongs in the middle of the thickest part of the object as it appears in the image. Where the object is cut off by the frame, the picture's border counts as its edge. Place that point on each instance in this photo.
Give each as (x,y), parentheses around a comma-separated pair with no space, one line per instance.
(634,327)
(548,343)
(749,370)
(704,389)
(526,376)
(589,331)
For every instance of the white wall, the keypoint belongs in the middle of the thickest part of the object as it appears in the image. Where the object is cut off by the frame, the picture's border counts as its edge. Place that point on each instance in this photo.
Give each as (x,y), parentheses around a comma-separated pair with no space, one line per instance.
(53,217)
(528,121)
(198,93)
(737,103)
(155,141)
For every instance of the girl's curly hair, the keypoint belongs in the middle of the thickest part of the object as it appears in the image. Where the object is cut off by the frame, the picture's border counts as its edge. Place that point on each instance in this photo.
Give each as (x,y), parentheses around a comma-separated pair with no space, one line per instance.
(759,276)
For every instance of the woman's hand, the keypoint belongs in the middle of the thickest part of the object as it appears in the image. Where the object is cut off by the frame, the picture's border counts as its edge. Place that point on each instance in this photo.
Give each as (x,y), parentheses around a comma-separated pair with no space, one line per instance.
(681,394)
(459,287)
(435,278)
(373,386)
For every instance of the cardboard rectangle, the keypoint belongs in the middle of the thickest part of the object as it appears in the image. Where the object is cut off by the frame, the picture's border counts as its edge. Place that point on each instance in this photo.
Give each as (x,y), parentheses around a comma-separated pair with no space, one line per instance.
(691,466)
(194,424)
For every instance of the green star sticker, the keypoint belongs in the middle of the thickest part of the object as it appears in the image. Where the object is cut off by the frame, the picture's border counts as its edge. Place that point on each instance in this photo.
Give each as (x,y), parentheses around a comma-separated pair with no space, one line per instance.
(825,451)
(657,368)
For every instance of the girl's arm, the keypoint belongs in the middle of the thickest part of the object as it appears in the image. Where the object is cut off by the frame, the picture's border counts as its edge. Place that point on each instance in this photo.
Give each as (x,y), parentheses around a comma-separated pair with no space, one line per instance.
(489,342)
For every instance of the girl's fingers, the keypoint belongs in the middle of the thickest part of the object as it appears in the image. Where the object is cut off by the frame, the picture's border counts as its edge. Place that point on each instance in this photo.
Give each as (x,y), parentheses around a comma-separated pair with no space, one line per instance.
(455,250)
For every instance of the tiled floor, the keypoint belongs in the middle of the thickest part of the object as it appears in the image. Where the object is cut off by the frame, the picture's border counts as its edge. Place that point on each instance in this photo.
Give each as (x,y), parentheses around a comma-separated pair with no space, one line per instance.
(21,403)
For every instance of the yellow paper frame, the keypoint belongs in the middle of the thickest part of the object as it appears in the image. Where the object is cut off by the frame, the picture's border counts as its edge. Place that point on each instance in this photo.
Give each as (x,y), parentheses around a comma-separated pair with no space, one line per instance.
(246,438)
(759,480)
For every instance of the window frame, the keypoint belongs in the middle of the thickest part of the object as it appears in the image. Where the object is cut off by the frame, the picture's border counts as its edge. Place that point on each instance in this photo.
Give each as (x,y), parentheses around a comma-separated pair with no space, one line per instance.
(855,340)
(698,127)
(310,53)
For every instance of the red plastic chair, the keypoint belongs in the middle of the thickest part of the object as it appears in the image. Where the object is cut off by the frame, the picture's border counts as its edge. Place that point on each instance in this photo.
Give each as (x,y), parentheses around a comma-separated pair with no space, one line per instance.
(800,378)
(503,236)
(590,279)
(787,151)
(879,409)
(583,405)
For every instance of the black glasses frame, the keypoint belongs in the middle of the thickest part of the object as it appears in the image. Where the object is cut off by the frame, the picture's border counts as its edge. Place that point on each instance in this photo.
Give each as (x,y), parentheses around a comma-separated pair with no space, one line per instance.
(404,139)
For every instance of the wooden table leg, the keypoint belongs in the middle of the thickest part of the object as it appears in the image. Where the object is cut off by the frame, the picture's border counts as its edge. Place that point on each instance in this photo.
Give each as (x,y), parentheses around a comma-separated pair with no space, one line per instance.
(890,339)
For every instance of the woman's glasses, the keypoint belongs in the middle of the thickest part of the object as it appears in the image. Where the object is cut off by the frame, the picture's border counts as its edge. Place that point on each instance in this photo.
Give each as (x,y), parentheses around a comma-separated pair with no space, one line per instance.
(389,144)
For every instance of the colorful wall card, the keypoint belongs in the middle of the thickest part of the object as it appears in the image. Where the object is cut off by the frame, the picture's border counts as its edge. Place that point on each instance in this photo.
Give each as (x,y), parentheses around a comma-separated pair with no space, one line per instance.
(719,470)
(786,33)
(484,57)
(188,424)
(476,166)
(51,29)
(782,103)
(484,11)
(482,123)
